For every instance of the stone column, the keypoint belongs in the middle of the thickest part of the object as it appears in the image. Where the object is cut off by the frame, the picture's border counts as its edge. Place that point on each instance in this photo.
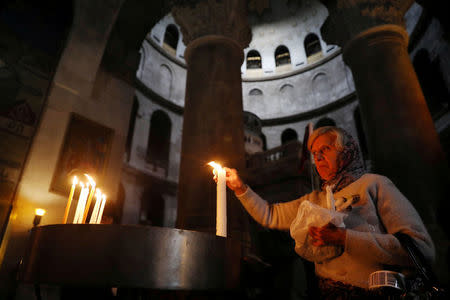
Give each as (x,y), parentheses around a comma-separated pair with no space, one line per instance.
(403,143)
(215,32)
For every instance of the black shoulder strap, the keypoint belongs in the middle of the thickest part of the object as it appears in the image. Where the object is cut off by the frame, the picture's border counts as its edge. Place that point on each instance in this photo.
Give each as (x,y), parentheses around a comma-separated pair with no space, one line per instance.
(418,259)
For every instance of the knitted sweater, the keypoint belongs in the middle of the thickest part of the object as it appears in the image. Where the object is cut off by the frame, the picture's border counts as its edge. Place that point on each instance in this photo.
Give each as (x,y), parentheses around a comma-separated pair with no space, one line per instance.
(378,211)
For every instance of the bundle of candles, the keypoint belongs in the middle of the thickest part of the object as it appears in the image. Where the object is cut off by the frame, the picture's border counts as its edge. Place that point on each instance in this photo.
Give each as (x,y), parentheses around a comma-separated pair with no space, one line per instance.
(87,192)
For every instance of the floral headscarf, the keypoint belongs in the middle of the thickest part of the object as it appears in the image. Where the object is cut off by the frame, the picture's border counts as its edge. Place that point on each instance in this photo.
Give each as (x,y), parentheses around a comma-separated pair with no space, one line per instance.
(350,165)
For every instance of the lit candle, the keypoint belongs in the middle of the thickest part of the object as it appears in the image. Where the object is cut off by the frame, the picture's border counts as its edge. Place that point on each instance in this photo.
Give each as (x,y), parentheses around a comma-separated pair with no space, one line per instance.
(38,213)
(330,198)
(95,211)
(81,203)
(69,201)
(221,208)
(102,207)
(89,199)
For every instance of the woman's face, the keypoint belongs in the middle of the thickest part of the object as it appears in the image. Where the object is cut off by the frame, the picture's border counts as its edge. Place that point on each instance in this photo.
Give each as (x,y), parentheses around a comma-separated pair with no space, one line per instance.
(326,156)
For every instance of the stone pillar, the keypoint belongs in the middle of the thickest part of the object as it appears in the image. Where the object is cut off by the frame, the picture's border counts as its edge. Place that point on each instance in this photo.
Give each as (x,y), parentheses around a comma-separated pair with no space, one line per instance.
(402,139)
(403,143)
(213,115)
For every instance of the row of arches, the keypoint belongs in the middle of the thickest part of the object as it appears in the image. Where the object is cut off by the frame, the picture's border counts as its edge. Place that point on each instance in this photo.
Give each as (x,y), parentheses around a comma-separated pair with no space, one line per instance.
(284,89)
(158,145)
(282,55)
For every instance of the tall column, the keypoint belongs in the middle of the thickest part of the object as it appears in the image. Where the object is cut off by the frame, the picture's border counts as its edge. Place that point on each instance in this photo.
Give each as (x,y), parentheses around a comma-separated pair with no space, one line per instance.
(403,143)
(215,33)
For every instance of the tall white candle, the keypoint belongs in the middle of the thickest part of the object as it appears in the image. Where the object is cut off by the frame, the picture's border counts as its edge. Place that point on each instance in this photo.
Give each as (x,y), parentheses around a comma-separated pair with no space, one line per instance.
(221,208)
(89,199)
(98,200)
(81,204)
(69,201)
(102,207)
(221,218)
(77,210)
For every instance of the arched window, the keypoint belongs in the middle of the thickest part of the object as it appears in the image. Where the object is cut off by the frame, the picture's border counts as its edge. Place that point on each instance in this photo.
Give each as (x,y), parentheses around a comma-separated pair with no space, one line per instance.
(325,122)
(159,140)
(282,56)
(171,39)
(313,49)
(131,123)
(254,60)
(312,44)
(288,135)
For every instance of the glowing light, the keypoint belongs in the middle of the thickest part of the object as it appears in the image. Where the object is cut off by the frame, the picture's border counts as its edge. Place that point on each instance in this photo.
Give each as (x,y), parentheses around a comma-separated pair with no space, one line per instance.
(91,181)
(39,212)
(215,165)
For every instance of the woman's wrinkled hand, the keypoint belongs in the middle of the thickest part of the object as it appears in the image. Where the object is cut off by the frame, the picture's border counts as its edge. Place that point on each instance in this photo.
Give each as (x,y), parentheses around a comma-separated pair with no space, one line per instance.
(234,182)
(327,235)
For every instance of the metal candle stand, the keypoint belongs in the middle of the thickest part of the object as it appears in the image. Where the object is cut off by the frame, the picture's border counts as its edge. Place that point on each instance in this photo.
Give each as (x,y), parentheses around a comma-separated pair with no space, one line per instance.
(99,255)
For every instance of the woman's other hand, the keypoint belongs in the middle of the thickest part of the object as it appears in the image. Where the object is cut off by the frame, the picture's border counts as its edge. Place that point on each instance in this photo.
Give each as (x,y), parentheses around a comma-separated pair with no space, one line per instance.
(327,235)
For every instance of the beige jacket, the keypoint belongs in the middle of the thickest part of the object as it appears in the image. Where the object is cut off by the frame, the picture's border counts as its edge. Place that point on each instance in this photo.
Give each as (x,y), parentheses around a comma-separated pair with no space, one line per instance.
(378,211)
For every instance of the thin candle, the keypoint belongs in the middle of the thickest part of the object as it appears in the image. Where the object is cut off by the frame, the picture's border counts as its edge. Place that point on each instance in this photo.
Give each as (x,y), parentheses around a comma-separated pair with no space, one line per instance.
(89,199)
(83,203)
(80,200)
(221,208)
(102,207)
(69,201)
(95,211)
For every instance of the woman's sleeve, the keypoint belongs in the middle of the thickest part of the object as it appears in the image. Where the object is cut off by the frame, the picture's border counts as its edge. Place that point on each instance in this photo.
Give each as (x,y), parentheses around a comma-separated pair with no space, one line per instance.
(397,215)
(276,216)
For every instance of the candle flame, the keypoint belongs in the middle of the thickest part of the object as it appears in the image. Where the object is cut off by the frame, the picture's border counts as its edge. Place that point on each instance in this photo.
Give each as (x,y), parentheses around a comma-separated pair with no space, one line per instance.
(215,165)
(39,212)
(82,185)
(75,180)
(103,197)
(92,182)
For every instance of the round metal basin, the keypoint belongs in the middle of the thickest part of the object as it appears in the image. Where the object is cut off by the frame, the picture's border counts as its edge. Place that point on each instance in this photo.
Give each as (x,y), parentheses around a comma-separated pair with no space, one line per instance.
(131,256)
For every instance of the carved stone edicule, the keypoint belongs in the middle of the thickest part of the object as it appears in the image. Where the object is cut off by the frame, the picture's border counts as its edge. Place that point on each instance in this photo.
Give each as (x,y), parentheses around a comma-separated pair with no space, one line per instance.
(348,18)
(213,17)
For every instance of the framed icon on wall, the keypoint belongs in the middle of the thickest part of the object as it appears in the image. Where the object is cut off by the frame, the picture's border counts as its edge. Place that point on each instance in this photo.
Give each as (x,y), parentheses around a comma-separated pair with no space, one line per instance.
(85,149)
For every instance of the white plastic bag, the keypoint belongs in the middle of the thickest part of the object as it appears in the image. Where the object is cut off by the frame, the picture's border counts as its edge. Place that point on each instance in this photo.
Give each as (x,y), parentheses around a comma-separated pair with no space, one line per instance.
(310,214)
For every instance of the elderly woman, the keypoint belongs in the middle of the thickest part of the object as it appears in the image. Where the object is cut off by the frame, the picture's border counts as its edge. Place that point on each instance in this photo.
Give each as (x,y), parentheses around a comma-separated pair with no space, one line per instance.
(376,211)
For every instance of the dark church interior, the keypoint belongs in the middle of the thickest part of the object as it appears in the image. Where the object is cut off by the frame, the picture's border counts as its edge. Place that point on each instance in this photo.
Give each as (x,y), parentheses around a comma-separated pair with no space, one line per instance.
(111,111)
